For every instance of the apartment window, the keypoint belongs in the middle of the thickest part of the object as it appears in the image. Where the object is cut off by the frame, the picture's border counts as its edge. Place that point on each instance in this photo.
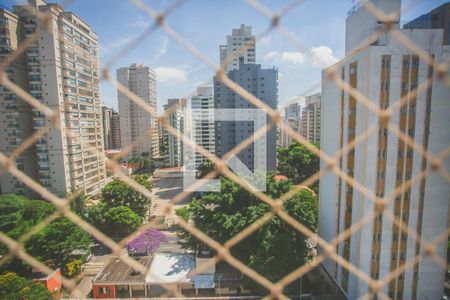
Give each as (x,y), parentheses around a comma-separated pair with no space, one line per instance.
(405,64)
(384,131)
(35,78)
(404,87)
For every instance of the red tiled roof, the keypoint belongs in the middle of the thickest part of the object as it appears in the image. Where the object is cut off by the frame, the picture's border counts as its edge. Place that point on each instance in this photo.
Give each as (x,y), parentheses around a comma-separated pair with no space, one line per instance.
(280,177)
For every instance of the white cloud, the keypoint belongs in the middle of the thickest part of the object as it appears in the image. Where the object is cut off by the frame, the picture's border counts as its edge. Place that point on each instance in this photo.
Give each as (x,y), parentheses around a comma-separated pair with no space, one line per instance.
(121,42)
(162,49)
(291,58)
(322,57)
(273,55)
(264,40)
(170,74)
(139,23)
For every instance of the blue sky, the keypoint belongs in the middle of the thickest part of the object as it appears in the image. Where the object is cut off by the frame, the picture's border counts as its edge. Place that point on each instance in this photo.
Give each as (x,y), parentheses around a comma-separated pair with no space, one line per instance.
(319,24)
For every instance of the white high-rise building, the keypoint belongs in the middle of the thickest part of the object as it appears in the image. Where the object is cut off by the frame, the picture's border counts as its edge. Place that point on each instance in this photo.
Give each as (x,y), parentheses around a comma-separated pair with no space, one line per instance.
(292,118)
(385,71)
(311,118)
(200,124)
(239,38)
(136,122)
(60,69)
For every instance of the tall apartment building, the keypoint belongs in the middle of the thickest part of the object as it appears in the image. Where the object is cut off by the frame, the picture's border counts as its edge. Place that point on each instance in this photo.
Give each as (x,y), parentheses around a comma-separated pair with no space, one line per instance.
(200,125)
(384,72)
(311,118)
(115,130)
(111,128)
(262,83)
(292,118)
(239,38)
(106,121)
(437,18)
(60,69)
(136,122)
(173,150)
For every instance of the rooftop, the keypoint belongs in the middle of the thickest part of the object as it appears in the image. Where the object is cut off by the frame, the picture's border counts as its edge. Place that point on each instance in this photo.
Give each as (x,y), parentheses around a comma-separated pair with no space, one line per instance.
(171,268)
(118,272)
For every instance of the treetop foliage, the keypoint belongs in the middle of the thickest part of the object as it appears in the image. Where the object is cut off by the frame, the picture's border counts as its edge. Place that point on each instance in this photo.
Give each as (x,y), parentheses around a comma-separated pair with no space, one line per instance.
(273,250)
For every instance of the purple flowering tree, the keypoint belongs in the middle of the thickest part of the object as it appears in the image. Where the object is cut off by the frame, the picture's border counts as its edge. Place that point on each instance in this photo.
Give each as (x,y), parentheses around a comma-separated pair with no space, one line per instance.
(146,242)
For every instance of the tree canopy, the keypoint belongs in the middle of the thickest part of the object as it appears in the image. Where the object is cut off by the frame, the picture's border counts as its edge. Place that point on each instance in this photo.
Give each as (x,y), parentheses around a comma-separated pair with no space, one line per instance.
(297,162)
(14,287)
(19,213)
(146,242)
(275,249)
(54,243)
(57,241)
(204,168)
(121,221)
(118,193)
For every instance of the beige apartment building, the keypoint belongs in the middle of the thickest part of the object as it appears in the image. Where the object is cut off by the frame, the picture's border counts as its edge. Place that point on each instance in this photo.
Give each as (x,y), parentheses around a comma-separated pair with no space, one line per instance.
(60,69)
(107,134)
(384,72)
(311,118)
(136,122)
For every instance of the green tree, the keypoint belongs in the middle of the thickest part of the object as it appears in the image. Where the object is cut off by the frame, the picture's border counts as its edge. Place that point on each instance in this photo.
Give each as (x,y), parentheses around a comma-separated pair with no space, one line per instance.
(55,242)
(204,168)
(18,215)
(276,248)
(14,287)
(118,193)
(144,163)
(78,204)
(121,221)
(183,212)
(95,215)
(72,268)
(297,162)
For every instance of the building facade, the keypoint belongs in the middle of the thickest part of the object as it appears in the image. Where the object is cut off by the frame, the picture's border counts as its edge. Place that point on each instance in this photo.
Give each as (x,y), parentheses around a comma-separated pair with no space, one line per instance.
(292,118)
(262,83)
(386,71)
(311,118)
(200,123)
(115,130)
(230,53)
(60,69)
(136,122)
(106,120)
(173,150)
(111,128)
(437,18)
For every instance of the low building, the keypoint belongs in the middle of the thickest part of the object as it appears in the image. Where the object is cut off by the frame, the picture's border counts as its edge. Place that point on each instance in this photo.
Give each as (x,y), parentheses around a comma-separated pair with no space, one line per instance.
(119,280)
(52,282)
(186,273)
(170,269)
